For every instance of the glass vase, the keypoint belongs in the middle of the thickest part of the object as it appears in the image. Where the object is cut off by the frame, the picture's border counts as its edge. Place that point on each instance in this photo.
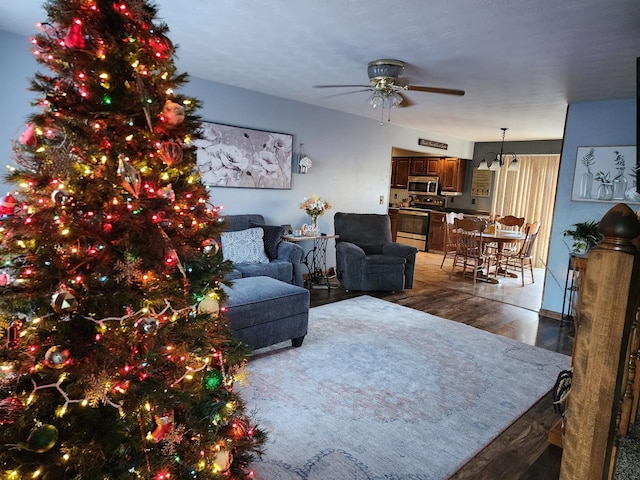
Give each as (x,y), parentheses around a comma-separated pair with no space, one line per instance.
(631,194)
(315,230)
(585,184)
(619,188)
(605,191)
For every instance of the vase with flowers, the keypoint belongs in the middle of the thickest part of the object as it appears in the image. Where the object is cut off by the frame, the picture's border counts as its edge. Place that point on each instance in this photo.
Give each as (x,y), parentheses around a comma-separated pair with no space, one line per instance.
(586,180)
(314,206)
(619,181)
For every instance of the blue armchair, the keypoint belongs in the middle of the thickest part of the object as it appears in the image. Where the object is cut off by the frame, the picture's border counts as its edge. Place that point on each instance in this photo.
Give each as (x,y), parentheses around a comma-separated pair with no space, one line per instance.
(286,265)
(367,259)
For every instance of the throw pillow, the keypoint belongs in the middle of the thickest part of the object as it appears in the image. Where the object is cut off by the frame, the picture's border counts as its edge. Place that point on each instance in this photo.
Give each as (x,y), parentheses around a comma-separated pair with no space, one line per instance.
(244,246)
(272,238)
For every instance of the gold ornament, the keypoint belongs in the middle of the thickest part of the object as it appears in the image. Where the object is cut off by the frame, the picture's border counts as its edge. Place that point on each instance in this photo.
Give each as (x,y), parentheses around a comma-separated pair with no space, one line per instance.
(222,460)
(64,301)
(209,306)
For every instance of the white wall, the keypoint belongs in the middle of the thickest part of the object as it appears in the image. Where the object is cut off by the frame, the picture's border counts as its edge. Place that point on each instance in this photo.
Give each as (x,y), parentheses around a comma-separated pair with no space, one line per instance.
(588,124)
(351,155)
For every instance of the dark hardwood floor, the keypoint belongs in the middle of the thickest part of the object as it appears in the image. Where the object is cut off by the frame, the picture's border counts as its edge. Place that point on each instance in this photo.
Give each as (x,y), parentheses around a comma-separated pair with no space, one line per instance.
(508,309)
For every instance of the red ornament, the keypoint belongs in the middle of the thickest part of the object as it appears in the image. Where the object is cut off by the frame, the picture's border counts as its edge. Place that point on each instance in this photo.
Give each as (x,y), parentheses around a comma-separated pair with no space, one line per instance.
(13,333)
(8,205)
(164,425)
(10,410)
(162,46)
(172,113)
(240,429)
(74,37)
(28,137)
(170,153)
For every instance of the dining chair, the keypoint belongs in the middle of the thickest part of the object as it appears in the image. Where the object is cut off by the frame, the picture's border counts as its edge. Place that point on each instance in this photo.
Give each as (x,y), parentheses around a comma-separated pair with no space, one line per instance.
(511,223)
(523,256)
(450,240)
(470,252)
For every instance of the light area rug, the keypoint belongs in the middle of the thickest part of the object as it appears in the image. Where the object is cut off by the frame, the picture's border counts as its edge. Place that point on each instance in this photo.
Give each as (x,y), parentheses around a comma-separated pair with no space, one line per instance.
(382,391)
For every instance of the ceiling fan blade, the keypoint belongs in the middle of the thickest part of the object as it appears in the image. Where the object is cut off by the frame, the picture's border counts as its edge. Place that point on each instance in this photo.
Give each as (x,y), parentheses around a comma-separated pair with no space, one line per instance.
(347,93)
(341,86)
(446,91)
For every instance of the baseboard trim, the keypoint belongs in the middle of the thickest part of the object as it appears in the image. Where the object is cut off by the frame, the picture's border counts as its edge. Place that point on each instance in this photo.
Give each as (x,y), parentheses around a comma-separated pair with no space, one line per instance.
(550,314)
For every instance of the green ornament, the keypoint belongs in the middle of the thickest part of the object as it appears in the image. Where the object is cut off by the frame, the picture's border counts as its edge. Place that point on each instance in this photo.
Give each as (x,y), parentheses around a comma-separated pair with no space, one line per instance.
(212,379)
(42,439)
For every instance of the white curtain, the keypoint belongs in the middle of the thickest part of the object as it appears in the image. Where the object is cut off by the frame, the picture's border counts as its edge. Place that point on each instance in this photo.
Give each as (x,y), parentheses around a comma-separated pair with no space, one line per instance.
(530,193)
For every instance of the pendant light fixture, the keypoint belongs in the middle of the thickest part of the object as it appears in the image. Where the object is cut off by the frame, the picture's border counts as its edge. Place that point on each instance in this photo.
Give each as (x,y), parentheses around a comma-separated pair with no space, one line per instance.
(500,159)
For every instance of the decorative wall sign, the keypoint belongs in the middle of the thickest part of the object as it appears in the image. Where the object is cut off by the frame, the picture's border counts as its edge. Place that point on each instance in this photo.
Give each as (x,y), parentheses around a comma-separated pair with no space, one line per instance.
(423,142)
(230,156)
(481,183)
(605,174)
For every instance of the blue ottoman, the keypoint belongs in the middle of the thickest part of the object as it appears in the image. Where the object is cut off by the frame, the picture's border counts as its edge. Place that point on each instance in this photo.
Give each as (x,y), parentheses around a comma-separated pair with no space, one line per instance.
(263,311)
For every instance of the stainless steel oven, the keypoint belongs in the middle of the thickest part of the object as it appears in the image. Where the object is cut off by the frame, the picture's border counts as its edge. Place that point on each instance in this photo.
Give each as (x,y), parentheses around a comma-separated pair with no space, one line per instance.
(413,228)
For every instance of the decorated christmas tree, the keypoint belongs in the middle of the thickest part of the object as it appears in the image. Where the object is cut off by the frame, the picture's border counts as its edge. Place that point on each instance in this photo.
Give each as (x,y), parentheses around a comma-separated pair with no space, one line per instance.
(116,360)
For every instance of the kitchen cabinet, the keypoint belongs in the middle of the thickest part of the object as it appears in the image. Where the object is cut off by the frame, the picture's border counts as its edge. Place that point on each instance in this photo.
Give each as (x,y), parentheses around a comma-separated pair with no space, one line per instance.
(432,166)
(452,174)
(393,216)
(451,171)
(418,166)
(436,232)
(400,167)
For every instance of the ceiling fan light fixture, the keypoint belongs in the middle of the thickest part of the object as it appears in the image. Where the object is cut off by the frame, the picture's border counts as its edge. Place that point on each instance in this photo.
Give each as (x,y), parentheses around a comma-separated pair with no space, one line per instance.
(495,166)
(514,166)
(376,100)
(395,99)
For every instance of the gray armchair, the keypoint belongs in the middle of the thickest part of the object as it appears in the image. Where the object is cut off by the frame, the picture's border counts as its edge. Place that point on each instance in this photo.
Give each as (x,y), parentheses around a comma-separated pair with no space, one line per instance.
(286,264)
(366,257)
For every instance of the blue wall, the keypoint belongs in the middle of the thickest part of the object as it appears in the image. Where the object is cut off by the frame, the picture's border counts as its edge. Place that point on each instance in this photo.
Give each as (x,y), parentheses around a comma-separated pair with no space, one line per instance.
(588,124)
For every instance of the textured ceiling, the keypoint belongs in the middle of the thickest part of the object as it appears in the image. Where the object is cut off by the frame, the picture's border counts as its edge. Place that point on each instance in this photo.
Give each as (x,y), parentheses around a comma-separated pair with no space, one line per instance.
(521,62)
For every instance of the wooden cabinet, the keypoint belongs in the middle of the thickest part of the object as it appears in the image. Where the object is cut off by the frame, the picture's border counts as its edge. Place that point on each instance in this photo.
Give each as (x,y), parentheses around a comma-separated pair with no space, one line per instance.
(400,167)
(393,216)
(432,166)
(451,171)
(452,174)
(418,166)
(436,232)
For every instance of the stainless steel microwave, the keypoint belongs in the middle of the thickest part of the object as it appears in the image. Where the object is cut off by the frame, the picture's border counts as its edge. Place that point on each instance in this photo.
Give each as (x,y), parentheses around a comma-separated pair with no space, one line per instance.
(423,185)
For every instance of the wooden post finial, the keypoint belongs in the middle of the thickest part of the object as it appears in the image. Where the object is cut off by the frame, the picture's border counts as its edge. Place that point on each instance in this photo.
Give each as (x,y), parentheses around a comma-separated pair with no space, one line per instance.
(619,226)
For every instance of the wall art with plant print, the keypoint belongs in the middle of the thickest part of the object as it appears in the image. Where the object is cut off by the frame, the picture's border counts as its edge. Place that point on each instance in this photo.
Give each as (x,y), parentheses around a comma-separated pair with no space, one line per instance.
(605,174)
(230,156)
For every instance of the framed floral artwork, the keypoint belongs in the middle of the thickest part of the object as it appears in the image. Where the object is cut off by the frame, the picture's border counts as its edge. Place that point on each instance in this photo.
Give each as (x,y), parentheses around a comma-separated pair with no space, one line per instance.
(230,156)
(605,174)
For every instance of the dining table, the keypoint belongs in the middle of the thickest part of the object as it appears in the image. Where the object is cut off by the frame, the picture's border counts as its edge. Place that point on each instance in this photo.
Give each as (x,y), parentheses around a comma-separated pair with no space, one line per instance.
(500,238)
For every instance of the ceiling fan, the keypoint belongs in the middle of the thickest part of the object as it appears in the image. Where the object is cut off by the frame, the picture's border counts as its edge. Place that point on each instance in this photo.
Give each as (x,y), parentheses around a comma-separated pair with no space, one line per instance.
(387,85)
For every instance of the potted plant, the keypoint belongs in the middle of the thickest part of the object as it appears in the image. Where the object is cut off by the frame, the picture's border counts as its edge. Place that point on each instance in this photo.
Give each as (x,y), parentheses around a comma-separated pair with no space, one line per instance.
(585,235)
